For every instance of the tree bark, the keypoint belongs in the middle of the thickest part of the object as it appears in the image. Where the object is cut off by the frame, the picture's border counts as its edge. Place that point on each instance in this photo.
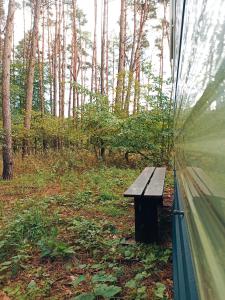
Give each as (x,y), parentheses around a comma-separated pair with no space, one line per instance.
(121,69)
(136,53)
(94,55)
(63,83)
(75,57)
(103,47)
(30,75)
(107,50)
(2,15)
(41,67)
(50,65)
(6,114)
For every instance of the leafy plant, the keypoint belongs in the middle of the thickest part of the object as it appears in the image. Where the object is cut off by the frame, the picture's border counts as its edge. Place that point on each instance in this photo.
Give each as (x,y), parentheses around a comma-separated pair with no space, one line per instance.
(84,296)
(107,291)
(27,227)
(88,233)
(52,248)
(112,210)
(159,290)
(106,196)
(103,277)
(77,280)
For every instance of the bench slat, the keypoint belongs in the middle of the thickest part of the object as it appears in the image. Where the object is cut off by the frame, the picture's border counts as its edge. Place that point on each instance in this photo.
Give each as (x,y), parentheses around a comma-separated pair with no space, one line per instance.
(137,188)
(156,185)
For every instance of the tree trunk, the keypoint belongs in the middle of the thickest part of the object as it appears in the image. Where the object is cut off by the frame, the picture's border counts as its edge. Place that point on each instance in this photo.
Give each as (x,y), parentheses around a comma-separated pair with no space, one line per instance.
(121,69)
(30,75)
(50,66)
(6,114)
(59,58)
(136,50)
(75,57)
(2,15)
(63,83)
(131,66)
(94,55)
(41,67)
(137,85)
(54,63)
(103,46)
(107,50)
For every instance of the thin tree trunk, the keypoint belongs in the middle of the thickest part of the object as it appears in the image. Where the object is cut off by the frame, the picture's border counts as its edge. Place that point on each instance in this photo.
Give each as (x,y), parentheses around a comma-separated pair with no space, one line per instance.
(121,69)
(107,50)
(6,114)
(41,68)
(63,83)
(59,58)
(50,67)
(94,54)
(2,15)
(30,75)
(124,62)
(131,66)
(113,71)
(137,86)
(135,53)
(103,46)
(54,63)
(75,57)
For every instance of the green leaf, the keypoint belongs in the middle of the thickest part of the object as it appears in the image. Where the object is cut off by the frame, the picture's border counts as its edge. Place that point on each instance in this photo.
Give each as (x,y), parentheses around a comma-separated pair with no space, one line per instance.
(76,281)
(107,291)
(141,276)
(129,254)
(159,290)
(85,296)
(131,284)
(98,266)
(141,293)
(6,263)
(103,278)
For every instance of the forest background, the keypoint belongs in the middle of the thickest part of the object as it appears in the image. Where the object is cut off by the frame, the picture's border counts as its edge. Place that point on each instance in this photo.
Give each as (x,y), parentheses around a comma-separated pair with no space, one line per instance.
(70,88)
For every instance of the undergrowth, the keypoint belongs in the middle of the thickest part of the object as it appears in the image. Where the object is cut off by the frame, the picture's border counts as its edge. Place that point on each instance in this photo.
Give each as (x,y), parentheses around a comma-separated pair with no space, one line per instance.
(67,233)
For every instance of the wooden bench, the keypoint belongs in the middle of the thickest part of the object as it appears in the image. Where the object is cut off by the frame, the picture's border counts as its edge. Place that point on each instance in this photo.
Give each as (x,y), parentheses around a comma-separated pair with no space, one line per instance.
(147,191)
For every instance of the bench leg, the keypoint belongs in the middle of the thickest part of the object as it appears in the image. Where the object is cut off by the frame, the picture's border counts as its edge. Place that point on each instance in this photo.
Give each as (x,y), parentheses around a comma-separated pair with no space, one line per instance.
(146,220)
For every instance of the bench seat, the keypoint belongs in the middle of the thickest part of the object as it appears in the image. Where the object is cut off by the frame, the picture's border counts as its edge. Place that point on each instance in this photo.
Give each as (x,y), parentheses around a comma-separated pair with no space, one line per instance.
(147,191)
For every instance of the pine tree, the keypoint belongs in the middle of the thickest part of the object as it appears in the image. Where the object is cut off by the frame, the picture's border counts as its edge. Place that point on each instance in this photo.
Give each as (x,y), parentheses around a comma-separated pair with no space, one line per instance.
(7,138)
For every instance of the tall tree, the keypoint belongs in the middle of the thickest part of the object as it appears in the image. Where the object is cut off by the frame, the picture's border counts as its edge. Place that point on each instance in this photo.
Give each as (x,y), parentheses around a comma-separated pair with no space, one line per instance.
(30,74)
(41,66)
(74,55)
(2,15)
(6,114)
(59,43)
(63,83)
(103,48)
(50,60)
(94,53)
(107,50)
(144,9)
(54,62)
(121,65)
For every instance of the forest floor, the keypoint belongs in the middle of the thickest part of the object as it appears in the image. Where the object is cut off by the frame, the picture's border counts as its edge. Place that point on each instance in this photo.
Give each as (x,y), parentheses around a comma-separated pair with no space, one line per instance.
(66,232)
